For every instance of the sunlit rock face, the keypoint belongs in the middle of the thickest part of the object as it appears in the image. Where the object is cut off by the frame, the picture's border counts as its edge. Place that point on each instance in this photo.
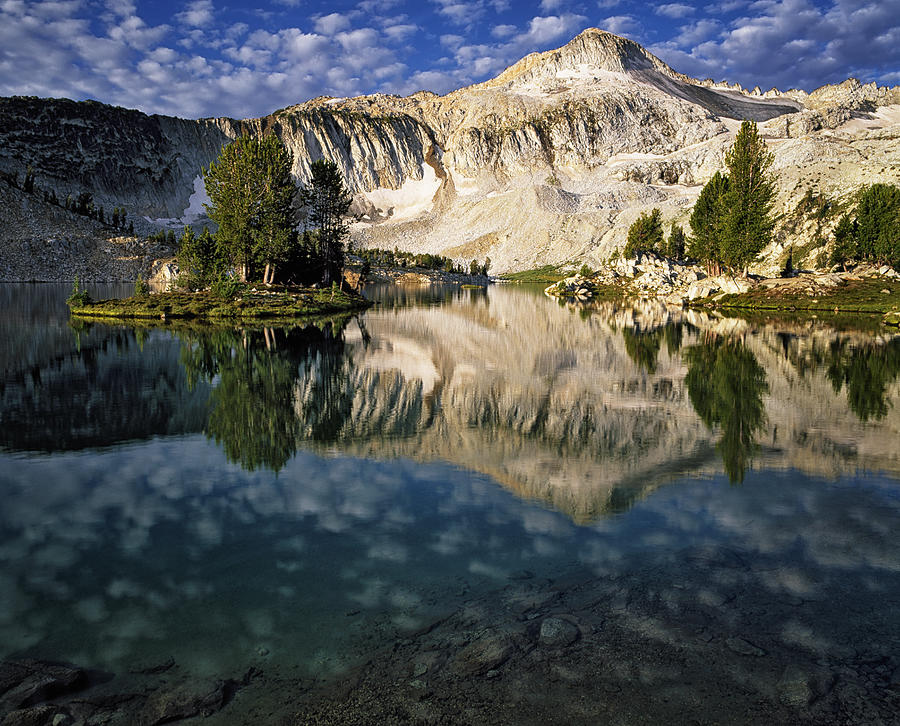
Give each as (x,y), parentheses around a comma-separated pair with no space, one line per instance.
(582,138)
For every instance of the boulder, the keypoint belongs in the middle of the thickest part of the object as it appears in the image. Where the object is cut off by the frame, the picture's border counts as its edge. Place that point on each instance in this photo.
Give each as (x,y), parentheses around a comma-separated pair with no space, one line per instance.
(484,654)
(733,285)
(558,633)
(31,682)
(202,698)
(163,272)
(35,716)
(702,288)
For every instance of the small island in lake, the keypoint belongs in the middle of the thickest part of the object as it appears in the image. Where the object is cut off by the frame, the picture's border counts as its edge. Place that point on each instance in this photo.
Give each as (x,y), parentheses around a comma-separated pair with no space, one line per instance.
(243,301)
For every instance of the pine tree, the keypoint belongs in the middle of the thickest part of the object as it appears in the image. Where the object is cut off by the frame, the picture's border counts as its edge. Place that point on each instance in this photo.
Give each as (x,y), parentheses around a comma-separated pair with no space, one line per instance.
(878,224)
(327,202)
(676,244)
(199,260)
(748,222)
(645,234)
(251,191)
(845,247)
(707,221)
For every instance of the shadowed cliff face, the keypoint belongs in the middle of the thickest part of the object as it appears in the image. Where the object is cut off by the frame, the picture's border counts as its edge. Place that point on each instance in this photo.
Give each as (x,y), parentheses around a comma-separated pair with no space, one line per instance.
(124,157)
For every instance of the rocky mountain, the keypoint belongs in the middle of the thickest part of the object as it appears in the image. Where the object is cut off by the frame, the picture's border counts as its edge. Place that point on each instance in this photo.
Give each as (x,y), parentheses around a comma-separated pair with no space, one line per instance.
(584,138)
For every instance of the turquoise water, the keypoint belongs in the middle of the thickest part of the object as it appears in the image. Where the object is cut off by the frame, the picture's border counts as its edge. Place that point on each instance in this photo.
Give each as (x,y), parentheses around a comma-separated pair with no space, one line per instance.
(297,500)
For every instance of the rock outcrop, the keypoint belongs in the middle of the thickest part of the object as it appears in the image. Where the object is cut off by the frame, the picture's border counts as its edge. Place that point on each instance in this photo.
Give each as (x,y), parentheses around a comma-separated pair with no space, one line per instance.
(549,162)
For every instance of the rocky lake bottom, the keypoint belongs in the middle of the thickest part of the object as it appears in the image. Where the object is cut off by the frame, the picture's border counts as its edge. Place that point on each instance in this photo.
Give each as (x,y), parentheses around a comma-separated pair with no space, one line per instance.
(462,507)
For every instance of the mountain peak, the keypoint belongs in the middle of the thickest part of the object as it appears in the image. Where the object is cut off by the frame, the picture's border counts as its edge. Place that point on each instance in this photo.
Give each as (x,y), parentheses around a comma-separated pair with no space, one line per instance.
(591,50)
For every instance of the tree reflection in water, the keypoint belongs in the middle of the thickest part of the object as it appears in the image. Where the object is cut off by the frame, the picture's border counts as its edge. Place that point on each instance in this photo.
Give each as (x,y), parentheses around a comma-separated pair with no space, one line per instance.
(726,384)
(257,414)
(643,347)
(866,370)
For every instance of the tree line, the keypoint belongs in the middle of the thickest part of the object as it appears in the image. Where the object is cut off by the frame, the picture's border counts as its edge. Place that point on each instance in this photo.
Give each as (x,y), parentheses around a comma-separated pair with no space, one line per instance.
(82,203)
(871,230)
(427,261)
(255,203)
(732,220)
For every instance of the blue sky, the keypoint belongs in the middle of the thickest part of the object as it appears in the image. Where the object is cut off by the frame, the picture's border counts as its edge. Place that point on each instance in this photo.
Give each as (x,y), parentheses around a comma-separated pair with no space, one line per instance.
(232,58)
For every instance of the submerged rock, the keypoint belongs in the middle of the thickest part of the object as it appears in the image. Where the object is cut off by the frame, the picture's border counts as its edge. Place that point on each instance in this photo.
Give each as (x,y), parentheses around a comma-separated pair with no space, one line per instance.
(744,647)
(558,633)
(193,698)
(485,654)
(30,682)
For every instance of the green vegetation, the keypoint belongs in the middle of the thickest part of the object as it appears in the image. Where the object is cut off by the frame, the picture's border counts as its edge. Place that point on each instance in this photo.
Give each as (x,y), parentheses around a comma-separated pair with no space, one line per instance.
(251,195)
(858,296)
(726,384)
(677,243)
(544,275)
(865,370)
(200,260)
(844,248)
(732,219)
(645,234)
(878,224)
(326,202)
(707,222)
(141,287)
(427,261)
(748,222)
(643,347)
(253,410)
(251,191)
(871,230)
(83,204)
(79,296)
(227,300)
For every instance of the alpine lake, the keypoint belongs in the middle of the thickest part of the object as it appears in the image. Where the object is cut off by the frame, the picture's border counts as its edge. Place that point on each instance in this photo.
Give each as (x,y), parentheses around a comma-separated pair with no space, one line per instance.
(461,506)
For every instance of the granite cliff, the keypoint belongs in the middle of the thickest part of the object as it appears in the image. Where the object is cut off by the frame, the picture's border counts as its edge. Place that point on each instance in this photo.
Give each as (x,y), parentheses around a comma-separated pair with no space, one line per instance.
(584,137)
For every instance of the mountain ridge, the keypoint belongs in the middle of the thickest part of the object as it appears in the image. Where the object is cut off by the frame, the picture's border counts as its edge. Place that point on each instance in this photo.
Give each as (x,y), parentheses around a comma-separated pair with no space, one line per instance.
(604,121)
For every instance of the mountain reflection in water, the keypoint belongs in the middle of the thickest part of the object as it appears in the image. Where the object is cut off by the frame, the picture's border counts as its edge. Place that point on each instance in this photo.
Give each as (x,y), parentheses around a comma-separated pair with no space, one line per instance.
(439,478)
(585,411)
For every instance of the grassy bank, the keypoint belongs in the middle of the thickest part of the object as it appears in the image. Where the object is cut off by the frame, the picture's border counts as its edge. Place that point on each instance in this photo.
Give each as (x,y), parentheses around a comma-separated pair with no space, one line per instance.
(248,302)
(866,295)
(545,274)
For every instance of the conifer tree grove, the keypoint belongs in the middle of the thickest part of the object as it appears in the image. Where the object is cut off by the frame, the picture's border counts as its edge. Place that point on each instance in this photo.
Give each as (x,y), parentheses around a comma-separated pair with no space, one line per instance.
(675,246)
(878,224)
(645,234)
(251,190)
